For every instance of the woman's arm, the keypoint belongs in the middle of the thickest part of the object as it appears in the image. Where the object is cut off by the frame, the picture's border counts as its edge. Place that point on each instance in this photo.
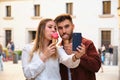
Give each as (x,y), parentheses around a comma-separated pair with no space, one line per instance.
(68,60)
(34,67)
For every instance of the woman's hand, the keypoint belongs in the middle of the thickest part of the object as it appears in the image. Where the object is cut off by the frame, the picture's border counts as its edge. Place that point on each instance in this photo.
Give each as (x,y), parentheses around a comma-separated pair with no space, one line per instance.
(48,52)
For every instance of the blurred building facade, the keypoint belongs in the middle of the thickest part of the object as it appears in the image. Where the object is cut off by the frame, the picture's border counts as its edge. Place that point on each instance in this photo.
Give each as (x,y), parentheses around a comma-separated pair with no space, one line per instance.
(119,37)
(96,19)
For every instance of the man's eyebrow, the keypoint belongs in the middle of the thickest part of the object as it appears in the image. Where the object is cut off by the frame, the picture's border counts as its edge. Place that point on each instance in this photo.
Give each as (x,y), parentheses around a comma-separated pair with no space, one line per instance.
(66,25)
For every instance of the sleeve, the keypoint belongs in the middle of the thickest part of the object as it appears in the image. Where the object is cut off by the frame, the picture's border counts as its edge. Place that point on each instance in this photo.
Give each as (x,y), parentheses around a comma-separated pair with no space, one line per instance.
(67,59)
(33,68)
(90,60)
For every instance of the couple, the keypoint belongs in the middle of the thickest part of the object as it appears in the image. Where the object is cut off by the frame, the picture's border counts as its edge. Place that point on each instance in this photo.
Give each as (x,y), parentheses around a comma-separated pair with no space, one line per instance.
(41,60)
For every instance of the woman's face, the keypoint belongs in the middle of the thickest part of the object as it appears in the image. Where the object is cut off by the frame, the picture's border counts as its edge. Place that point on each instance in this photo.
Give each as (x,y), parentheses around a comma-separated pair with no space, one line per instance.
(49,29)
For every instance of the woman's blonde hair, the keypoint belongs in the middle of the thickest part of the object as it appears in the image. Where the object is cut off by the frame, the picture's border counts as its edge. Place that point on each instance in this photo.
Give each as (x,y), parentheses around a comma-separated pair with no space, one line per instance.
(1,48)
(39,39)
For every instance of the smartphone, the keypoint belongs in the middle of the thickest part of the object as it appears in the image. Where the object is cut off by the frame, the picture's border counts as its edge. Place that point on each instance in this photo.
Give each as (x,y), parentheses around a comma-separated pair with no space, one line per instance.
(76,40)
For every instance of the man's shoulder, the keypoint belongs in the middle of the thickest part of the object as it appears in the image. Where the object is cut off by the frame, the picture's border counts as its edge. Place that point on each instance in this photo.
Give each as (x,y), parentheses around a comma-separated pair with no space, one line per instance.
(86,40)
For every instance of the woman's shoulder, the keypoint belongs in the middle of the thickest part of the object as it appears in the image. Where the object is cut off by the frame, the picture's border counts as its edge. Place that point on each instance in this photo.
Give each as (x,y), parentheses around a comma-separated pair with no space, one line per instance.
(28,46)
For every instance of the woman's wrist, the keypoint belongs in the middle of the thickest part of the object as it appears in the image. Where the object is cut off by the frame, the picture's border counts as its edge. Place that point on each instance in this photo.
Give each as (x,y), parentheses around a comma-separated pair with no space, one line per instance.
(75,58)
(43,57)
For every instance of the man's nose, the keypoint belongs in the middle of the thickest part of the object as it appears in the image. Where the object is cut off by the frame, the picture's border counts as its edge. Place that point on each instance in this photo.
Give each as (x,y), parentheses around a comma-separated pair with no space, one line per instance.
(64,30)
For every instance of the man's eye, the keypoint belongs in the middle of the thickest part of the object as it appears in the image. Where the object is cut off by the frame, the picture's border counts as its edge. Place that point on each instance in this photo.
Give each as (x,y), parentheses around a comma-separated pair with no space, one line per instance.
(66,26)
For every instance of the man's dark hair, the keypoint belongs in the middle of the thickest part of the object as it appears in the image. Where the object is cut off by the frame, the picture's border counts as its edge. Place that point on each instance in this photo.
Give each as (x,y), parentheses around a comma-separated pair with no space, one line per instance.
(63,17)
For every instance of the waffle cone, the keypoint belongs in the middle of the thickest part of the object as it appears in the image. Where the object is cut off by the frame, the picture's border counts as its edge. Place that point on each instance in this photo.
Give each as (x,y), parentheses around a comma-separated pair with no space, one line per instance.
(66,42)
(54,40)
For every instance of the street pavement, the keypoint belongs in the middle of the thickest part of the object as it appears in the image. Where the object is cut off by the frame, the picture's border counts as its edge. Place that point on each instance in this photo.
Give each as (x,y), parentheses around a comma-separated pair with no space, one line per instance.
(14,72)
(109,73)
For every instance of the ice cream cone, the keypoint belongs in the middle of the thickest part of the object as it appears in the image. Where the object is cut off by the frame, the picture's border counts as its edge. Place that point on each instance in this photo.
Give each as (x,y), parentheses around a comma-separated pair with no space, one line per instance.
(54,37)
(54,40)
(66,42)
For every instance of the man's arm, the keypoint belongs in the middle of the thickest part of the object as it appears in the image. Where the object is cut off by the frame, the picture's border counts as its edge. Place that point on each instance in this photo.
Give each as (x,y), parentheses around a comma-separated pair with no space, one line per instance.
(90,60)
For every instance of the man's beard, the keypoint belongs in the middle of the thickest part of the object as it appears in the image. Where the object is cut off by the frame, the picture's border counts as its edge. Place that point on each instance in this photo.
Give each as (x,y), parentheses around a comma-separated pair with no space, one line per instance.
(66,36)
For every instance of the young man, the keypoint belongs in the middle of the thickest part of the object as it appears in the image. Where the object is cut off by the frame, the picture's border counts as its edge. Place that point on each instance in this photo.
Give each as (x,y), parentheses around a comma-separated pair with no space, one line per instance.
(90,62)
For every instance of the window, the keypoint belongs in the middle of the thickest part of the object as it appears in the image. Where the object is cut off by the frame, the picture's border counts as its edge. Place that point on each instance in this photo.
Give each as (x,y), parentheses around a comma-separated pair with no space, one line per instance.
(8,11)
(106,7)
(106,38)
(33,35)
(8,34)
(69,8)
(36,10)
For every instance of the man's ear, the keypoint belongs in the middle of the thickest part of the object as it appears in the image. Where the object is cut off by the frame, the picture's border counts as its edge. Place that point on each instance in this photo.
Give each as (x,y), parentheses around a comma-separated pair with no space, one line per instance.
(73,26)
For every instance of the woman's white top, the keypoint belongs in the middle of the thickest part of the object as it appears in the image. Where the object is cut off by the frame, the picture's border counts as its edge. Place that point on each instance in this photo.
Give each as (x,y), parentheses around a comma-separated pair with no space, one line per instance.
(48,70)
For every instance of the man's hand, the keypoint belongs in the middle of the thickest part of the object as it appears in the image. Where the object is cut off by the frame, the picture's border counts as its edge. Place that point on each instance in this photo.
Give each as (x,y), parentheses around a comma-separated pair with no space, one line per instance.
(80,51)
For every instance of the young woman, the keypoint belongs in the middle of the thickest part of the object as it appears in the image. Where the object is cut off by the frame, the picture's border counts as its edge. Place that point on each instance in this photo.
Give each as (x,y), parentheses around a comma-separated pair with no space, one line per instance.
(40,59)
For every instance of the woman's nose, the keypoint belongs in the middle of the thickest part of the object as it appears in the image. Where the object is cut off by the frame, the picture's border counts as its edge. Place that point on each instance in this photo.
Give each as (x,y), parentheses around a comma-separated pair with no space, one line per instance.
(53,29)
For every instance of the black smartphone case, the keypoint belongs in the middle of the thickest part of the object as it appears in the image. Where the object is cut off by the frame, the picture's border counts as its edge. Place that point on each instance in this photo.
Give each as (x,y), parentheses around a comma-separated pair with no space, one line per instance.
(76,41)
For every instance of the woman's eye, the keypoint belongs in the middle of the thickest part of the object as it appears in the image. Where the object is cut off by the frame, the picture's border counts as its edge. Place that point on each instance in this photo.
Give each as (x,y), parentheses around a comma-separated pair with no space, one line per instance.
(50,27)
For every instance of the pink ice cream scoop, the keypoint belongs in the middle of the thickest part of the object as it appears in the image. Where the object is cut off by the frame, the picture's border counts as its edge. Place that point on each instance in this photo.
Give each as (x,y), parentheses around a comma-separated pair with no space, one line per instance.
(54,37)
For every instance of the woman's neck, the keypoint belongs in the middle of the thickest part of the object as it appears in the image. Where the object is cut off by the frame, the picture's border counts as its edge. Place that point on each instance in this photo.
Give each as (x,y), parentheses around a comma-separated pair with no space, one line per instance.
(46,43)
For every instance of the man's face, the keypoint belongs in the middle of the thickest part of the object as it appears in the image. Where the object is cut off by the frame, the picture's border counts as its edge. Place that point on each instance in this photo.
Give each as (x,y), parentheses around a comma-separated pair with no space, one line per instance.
(65,29)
